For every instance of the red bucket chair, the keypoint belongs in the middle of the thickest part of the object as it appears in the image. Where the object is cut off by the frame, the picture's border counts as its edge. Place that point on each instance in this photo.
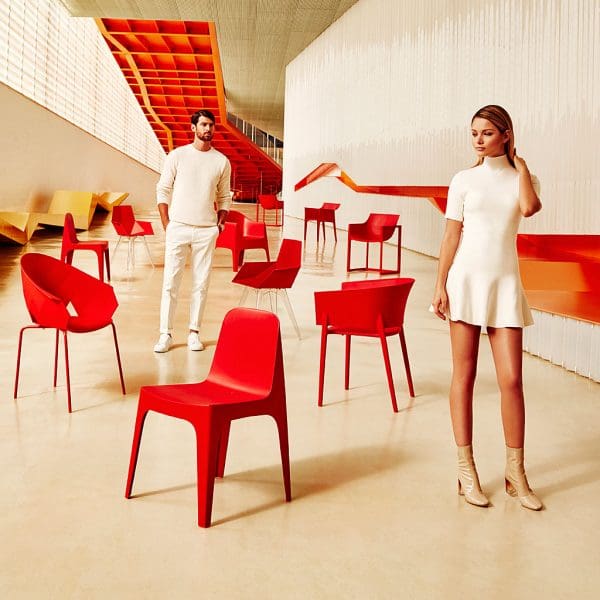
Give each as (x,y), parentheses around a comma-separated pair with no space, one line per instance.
(70,243)
(246,379)
(273,278)
(61,297)
(365,308)
(270,202)
(241,233)
(377,228)
(325,214)
(126,226)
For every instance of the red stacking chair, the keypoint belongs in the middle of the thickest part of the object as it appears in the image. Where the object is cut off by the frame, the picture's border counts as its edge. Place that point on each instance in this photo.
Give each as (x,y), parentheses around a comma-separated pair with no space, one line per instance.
(273,277)
(246,379)
(377,228)
(61,297)
(270,202)
(70,243)
(126,226)
(325,214)
(241,233)
(365,308)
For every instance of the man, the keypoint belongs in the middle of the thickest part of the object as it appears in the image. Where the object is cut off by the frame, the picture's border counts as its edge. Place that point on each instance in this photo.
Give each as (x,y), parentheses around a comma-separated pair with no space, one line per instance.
(193,200)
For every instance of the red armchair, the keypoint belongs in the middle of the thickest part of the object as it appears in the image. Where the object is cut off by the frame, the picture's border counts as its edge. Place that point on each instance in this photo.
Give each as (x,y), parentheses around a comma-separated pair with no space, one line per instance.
(325,214)
(70,243)
(246,379)
(241,233)
(377,228)
(270,202)
(365,308)
(61,297)
(126,226)
(273,278)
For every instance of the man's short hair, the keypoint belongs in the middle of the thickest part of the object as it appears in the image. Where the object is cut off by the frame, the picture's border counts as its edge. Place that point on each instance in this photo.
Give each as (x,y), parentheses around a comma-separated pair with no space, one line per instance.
(203,112)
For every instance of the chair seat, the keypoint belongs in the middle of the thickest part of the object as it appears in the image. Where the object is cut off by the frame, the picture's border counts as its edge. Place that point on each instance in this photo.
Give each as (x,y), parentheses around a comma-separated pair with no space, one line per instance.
(87,323)
(201,395)
(364,332)
(92,245)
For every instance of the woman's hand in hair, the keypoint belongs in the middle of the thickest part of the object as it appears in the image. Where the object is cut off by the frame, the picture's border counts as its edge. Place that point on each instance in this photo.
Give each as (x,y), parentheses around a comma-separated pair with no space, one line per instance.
(520,164)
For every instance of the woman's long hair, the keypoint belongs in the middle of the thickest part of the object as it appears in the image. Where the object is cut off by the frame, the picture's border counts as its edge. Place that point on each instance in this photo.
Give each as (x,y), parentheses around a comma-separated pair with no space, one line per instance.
(500,118)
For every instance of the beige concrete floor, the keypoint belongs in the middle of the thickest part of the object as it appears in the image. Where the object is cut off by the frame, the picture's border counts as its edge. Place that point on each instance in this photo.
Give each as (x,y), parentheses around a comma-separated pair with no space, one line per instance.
(375,512)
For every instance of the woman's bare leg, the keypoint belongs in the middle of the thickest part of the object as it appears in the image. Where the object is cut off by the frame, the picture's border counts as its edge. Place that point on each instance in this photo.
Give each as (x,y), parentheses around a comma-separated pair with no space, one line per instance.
(465,347)
(507,349)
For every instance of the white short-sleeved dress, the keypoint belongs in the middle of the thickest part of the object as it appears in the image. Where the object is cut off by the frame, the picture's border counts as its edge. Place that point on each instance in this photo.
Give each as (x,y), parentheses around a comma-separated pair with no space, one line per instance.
(484,285)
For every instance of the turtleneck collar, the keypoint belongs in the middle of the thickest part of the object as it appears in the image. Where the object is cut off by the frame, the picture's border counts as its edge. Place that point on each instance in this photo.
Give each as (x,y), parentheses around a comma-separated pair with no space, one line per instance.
(496,162)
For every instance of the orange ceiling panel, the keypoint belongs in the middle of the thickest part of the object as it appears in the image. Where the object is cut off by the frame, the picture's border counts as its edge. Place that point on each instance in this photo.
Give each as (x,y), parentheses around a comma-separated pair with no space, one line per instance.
(174,69)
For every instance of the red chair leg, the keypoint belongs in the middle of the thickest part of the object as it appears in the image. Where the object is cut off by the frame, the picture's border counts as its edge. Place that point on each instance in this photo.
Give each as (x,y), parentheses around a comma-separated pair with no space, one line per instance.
(282,430)
(114,330)
(348,252)
(388,371)
(380,256)
(67,371)
(334,230)
(107,261)
(367,262)
(324,236)
(267,251)
(19,355)
(55,358)
(222,454)
(135,447)
(347,364)
(304,229)
(318,231)
(411,389)
(322,363)
(206,456)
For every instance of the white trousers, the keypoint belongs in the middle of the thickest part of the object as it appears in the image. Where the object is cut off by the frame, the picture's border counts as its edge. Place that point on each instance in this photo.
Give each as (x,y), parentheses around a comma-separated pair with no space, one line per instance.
(180,240)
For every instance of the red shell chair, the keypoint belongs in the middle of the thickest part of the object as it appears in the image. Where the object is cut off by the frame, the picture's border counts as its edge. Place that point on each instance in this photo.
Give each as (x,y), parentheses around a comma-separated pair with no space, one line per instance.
(270,202)
(246,379)
(377,228)
(241,233)
(70,243)
(126,226)
(273,278)
(61,297)
(365,308)
(325,214)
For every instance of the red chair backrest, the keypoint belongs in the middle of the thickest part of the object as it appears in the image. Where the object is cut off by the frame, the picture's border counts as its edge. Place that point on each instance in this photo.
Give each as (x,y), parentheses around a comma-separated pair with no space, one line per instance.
(330,206)
(269,201)
(364,306)
(290,254)
(123,219)
(50,285)
(248,351)
(69,237)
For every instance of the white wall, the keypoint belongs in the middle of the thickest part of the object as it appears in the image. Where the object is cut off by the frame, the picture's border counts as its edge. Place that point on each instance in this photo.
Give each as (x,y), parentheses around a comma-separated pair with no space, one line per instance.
(387,92)
(42,152)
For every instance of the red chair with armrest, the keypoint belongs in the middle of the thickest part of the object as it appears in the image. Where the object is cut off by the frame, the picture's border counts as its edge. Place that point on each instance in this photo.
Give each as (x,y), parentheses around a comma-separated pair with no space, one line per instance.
(378,228)
(270,202)
(128,227)
(273,278)
(61,297)
(70,243)
(246,379)
(241,233)
(365,308)
(322,215)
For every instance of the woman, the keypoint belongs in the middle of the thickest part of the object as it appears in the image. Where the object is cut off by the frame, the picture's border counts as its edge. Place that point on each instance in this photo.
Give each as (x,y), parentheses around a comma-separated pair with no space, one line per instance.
(478,285)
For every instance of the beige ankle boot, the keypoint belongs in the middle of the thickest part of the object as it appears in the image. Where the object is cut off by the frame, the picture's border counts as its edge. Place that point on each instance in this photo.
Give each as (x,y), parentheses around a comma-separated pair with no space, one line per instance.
(468,481)
(516,480)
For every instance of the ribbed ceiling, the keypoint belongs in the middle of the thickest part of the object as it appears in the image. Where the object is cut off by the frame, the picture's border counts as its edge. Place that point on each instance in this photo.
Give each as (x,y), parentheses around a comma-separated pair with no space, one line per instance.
(257,39)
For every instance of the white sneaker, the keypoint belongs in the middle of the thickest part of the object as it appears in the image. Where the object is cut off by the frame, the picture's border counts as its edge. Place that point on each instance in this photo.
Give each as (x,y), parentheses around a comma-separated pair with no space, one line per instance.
(164,343)
(194,342)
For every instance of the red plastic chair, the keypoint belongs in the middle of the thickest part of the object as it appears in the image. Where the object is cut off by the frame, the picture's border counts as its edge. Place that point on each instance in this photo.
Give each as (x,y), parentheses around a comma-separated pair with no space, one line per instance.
(325,214)
(273,278)
(241,233)
(270,202)
(70,243)
(61,297)
(126,226)
(365,308)
(377,228)
(246,379)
